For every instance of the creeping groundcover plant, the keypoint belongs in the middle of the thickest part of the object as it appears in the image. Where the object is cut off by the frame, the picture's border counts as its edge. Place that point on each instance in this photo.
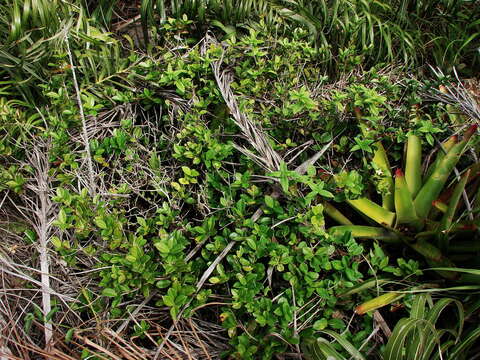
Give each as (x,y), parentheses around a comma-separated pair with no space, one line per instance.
(239,179)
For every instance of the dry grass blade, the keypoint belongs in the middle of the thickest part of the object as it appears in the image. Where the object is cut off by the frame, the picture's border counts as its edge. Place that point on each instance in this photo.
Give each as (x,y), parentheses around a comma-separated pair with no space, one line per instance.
(199,341)
(382,324)
(97,347)
(302,168)
(135,312)
(5,352)
(269,158)
(92,186)
(457,95)
(44,216)
(9,267)
(127,348)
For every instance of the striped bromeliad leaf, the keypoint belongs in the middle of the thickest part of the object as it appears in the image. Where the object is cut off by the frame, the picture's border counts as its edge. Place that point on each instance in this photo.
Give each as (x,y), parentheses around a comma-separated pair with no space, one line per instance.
(417,337)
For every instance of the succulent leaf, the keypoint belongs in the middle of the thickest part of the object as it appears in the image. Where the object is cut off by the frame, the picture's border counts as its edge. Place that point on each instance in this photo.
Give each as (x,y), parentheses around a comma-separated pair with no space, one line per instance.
(435,183)
(380,159)
(413,164)
(403,200)
(444,149)
(367,232)
(335,214)
(453,204)
(373,211)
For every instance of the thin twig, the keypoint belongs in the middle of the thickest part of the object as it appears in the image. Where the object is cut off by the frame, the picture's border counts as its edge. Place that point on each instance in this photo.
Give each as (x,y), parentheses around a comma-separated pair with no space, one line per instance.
(382,323)
(367,340)
(84,123)
(200,342)
(283,221)
(96,346)
(135,312)
(295,327)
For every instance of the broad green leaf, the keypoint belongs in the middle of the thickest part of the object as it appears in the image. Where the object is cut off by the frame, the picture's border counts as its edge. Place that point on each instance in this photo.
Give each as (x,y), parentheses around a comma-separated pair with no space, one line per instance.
(269,201)
(109,292)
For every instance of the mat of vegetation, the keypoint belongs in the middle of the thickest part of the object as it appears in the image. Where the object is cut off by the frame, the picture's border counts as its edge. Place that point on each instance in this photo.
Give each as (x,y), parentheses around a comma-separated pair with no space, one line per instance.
(251,180)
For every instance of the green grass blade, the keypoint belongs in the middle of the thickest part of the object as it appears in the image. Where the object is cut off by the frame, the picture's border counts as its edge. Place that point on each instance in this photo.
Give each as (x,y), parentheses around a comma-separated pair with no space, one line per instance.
(434,257)
(418,309)
(441,349)
(351,349)
(401,336)
(146,8)
(367,284)
(459,270)
(440,305)
(161,10)
(323,350)
(460,351)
